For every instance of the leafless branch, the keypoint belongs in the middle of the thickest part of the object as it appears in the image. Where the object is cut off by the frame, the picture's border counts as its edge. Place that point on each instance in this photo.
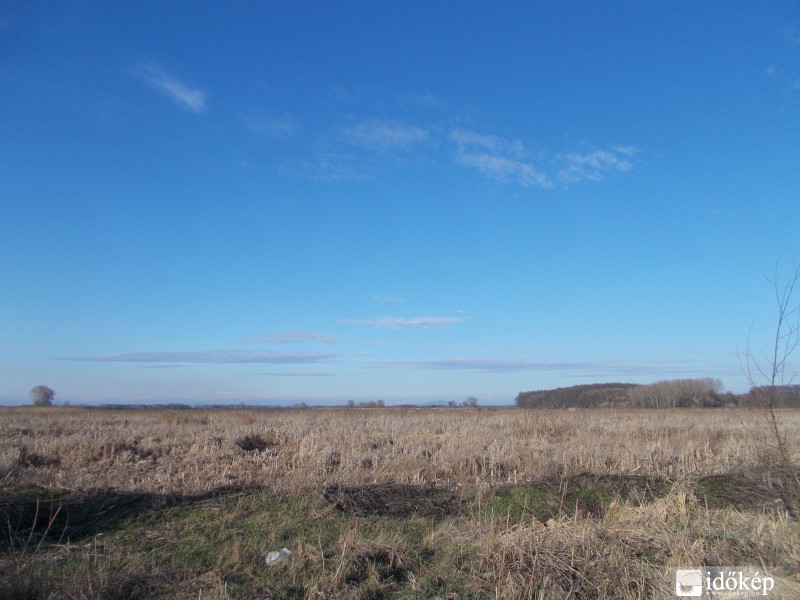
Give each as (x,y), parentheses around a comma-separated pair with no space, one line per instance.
(767,376)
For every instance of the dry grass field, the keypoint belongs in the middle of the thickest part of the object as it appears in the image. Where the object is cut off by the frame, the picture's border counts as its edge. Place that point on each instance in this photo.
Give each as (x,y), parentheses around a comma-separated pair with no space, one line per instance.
(374,503)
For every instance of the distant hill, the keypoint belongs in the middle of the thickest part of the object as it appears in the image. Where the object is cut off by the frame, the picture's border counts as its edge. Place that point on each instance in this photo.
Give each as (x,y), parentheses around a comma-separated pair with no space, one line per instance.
(596,395)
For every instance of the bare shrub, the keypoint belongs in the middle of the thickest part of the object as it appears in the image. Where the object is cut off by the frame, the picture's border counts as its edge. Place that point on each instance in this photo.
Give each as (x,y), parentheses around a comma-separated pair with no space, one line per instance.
(770,375)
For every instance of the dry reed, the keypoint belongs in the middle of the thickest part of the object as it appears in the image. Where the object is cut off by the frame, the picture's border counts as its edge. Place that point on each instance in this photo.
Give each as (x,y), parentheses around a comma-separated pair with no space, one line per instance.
(192,452)
(717,499)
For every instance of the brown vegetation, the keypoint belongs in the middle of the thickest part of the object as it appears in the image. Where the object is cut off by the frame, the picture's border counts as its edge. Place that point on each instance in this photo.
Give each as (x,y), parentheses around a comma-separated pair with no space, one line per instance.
(388,502)
(197,451)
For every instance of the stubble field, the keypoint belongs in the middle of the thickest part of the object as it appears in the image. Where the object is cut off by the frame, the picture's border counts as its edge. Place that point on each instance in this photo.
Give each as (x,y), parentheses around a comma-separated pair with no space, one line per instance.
(405,503)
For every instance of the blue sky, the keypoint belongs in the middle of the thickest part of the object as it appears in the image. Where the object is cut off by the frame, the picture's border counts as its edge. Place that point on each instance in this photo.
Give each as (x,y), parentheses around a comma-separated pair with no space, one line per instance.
(407,201)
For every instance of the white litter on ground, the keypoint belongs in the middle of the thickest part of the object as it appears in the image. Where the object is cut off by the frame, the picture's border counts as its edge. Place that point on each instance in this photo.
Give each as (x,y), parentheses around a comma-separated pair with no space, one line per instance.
(277,556)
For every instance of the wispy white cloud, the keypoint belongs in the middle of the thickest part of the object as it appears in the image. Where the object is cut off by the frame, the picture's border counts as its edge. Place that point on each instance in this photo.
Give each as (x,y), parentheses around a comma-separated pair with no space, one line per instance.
(364,147)
(210,356)
(291,337)
(498,159)
(185,96)
(424,100)
(527,350)
(486,142)
(788,80)
(792,35)
(593,166)
(377,98)
(391,299)
(275,126)
(328,167)
(504,169)
(378,134)
(508,161)
(293,374)
(360,152)
(406,323)
(482,364)
(654,367)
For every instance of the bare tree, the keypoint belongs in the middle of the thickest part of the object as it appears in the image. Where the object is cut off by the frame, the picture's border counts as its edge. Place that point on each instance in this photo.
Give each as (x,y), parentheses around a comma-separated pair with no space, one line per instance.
(767,373)
(471,402)
(42,395)
(673,393)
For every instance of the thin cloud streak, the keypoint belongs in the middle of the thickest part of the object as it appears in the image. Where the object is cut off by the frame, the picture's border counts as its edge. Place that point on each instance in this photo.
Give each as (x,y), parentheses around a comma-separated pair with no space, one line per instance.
(328,167)
(291,337)
(384,135)
(498,159)
(389,298)
(596,368)
(508,162)
(194,100)
(592,166)
(428,322)
(219,357)
(287,374)
(360,150)
(487,142)
(504,169)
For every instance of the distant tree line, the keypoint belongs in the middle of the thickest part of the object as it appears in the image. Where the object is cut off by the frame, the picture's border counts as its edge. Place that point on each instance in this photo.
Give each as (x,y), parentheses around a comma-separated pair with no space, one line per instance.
(471,402)
(578,396)
(366,404)
(783,396)
(678,393)
(674,393)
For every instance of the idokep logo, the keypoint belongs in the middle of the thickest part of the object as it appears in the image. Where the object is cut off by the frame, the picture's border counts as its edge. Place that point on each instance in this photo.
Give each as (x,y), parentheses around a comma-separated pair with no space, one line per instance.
(689,583)
(723,582)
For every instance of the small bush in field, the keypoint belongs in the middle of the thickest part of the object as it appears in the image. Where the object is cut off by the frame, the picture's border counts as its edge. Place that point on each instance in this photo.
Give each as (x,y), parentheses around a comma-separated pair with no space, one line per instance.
(42,395)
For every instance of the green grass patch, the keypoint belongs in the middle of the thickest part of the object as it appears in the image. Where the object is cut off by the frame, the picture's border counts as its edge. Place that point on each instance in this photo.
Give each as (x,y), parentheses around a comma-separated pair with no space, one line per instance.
(374,542)
(521,503)
(585,495)
(215,546)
